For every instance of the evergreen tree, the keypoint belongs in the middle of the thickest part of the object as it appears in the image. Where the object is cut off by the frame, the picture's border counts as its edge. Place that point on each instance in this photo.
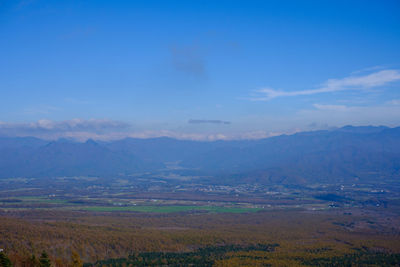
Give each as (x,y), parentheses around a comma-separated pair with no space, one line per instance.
(33,261)
(4,260)
(44,260)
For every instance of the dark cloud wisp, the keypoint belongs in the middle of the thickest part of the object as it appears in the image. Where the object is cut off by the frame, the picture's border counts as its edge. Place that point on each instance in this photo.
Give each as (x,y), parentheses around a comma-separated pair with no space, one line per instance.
(188,59)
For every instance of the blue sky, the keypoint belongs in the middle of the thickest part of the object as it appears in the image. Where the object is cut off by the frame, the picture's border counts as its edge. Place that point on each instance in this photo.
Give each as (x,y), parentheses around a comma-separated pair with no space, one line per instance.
(196,69)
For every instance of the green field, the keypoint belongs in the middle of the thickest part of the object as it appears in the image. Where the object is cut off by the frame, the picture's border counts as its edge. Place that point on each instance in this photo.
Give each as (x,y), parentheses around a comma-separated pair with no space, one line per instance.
(168,209)
(43,202)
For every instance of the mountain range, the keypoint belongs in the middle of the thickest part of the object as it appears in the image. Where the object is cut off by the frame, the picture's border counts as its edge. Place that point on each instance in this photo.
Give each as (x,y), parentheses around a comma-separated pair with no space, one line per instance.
(346,154)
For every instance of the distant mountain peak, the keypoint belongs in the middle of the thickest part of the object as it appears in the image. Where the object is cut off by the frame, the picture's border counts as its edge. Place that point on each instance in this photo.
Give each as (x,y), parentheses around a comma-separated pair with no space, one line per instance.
(91,142)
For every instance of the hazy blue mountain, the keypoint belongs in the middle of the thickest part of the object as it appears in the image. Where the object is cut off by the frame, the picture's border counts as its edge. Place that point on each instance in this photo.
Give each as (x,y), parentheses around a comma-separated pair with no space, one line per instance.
(20,142)
(345,154)
(339,155)
(161,149)
(66,158)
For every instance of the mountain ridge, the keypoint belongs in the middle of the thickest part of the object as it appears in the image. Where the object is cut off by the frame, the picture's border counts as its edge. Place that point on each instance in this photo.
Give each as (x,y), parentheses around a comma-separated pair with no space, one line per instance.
(348,153)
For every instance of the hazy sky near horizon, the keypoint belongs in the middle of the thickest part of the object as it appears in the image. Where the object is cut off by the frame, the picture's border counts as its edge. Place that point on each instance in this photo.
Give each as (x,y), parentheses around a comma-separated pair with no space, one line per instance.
(196,69)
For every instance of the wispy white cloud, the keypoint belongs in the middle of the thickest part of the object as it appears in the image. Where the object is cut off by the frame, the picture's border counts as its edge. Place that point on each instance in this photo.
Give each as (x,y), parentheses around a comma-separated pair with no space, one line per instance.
(40,110)
(331,107)
(371,80)
(339,115)
(246,135)
(394,102)
(75,101)
(47,127)
(369,69)
(82,130)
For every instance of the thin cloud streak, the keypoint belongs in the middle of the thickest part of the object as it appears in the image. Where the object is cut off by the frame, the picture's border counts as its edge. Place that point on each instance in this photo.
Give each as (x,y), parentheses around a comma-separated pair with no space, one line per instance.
(331,107)
(340,115)
(372,80)
(394,102)
(208,122)
(75,125)
(106,130)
